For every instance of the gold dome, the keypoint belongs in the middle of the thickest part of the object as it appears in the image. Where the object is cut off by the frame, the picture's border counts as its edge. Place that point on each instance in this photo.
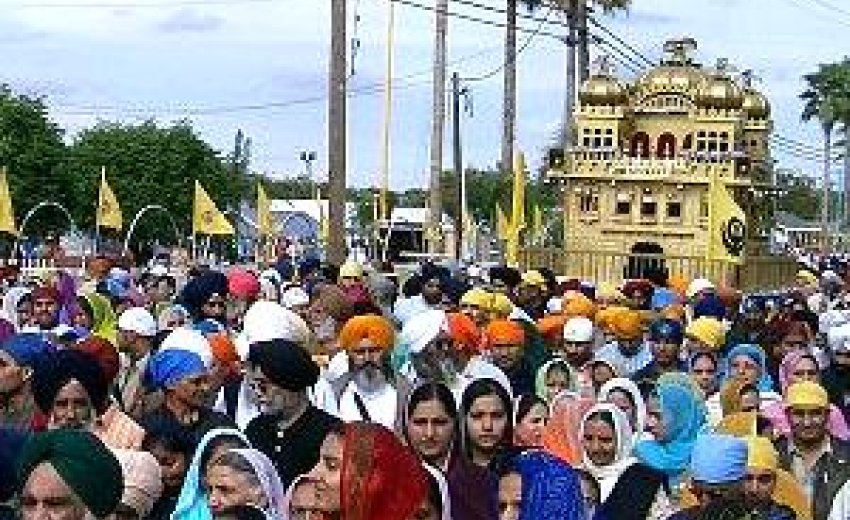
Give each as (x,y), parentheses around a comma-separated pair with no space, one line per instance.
(671,78)
(603,90)
(719,91)
(755,104)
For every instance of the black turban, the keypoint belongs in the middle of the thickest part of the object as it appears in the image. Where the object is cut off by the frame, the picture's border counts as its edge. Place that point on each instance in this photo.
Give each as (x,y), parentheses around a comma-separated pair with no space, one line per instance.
(84,463)
(200,289)
(67,365)
(507,275)
(285,363)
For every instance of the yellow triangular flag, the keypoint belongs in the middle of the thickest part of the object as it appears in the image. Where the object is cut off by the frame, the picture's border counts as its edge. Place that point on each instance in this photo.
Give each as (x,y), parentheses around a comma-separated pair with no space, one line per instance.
(727,225)
(518,202)
(7,213)
(501,223)
(265,224)
(206,218)
(108,210)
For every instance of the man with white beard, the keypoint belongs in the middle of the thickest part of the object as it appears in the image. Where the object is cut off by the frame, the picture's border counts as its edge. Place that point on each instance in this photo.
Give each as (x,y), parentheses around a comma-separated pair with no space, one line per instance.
(368,395)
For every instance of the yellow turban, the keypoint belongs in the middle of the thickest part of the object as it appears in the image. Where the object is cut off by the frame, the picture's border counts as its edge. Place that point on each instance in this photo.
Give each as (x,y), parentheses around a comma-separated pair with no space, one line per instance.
(605,317)
(579,305)
(807,277)
(739,424)
(533,278)
(707,330)
(351,270)
(807,394)
(761,454)
(627,324)
(609,293)
(477,298)
(501,305)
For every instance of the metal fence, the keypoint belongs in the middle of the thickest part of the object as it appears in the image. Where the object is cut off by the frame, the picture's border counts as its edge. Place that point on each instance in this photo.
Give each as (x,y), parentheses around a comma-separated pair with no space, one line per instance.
(756,273)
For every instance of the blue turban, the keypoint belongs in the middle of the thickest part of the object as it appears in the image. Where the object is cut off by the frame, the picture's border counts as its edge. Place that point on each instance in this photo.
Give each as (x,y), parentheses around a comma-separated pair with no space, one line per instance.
(663,297)
(308,266)
(718,459)
(208,326)
(711,306)
(666,330)
(168,367)
(28,350)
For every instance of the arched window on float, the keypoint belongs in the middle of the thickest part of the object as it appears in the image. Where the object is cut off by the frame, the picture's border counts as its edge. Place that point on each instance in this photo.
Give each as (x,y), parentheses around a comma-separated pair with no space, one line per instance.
(666,146)
(640,145)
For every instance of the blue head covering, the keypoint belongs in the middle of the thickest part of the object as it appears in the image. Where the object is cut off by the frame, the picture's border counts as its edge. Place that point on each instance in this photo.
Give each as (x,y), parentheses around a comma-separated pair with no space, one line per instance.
(669,331)
(719,459)
(683,414)
(711,306)
(754,352)
(550,488)
(168,367)
(29,350)
(208,326)
(192,503)
(663,297)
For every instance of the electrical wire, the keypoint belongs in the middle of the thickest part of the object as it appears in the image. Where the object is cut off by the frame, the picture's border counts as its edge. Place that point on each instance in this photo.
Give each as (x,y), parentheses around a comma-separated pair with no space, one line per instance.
(525,45)
(622,42)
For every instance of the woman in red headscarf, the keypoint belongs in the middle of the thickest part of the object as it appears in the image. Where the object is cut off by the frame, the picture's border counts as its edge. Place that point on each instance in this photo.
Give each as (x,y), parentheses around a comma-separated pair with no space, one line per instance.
(357,477)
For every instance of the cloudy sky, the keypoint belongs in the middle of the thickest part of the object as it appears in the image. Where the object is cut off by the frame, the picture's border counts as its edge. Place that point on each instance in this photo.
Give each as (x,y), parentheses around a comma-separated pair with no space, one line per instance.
(260,65)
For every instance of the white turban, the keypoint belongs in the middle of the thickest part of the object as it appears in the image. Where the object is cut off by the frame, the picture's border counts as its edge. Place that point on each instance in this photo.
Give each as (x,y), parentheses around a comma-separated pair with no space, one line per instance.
(266,321)
(422,329)
(190,340)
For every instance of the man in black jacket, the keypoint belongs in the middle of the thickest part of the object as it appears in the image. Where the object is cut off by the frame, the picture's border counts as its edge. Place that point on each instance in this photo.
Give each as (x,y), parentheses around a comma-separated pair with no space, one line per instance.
(817,460)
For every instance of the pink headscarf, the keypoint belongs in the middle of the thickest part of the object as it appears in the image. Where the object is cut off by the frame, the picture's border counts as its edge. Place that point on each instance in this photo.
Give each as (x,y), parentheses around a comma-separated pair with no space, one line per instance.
(777,413)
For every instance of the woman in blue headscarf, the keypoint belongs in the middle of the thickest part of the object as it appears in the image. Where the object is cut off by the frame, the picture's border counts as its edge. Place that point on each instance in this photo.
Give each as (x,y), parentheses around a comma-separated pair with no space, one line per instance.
(676,414)
(748,363)
(538,486)
(192,504)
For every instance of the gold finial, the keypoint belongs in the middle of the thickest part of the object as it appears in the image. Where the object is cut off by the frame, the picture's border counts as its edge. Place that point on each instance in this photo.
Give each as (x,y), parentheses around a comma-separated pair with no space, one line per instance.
(604,66)
(680,51)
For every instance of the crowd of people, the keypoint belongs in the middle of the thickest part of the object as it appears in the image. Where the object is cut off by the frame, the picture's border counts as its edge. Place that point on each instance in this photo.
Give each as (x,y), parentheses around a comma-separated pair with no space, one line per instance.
(314,391)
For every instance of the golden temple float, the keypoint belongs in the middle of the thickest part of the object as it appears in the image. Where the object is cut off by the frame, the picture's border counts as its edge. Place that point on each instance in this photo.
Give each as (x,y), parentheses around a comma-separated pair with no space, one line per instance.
(642,154)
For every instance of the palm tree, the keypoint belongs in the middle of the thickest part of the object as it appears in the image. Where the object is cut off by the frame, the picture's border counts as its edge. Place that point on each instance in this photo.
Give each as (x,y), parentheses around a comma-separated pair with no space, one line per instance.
(822,103)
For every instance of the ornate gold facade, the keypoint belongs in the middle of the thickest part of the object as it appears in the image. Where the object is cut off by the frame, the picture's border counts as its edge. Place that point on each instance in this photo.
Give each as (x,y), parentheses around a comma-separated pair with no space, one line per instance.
(637,174)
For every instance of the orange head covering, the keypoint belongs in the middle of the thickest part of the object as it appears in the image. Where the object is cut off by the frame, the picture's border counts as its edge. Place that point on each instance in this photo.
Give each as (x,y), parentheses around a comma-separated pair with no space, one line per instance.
(679,284)
(579,305)
(674,312)
(463,332)
(377,329)
(561,434)
(224,351)
(552,327)
(505,332)
(627,324)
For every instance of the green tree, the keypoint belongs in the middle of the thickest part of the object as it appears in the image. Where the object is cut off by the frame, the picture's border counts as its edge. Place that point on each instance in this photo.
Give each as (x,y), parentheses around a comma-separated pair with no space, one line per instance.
(148,164)
(32,149)
(823,103)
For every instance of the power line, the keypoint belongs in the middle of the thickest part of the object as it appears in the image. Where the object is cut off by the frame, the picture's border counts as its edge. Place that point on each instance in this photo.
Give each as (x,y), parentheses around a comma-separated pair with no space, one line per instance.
(831,7)
(823,16)
(519,52)
(98,5)
(622,42)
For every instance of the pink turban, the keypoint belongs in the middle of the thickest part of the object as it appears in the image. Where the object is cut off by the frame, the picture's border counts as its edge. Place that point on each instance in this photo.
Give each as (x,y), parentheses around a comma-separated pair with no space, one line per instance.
(243,284)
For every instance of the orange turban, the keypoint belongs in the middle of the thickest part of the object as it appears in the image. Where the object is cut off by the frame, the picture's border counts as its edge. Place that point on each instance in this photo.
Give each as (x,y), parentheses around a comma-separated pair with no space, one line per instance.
(579,305)
(674,312)
(505,332)
(377,329)
(627,324)
(224,351)
(678,284)
(463,332)
(552,327)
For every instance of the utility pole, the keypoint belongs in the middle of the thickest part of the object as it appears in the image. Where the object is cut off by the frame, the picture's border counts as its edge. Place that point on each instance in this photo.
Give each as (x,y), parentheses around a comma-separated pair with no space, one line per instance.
(438,118)
(386,129)
(509,94)
(570,97)
(458,167)
(336,133)
(584,41)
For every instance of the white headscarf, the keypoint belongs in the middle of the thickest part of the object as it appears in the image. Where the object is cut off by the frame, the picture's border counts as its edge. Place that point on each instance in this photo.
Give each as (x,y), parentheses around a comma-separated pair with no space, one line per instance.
(270,482)
(11,301)
(607,476)
(629,386)
(421,330)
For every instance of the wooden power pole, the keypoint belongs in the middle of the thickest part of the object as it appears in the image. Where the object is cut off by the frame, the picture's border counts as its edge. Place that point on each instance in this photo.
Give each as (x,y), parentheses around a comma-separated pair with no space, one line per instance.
(337,249)
(438,121)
